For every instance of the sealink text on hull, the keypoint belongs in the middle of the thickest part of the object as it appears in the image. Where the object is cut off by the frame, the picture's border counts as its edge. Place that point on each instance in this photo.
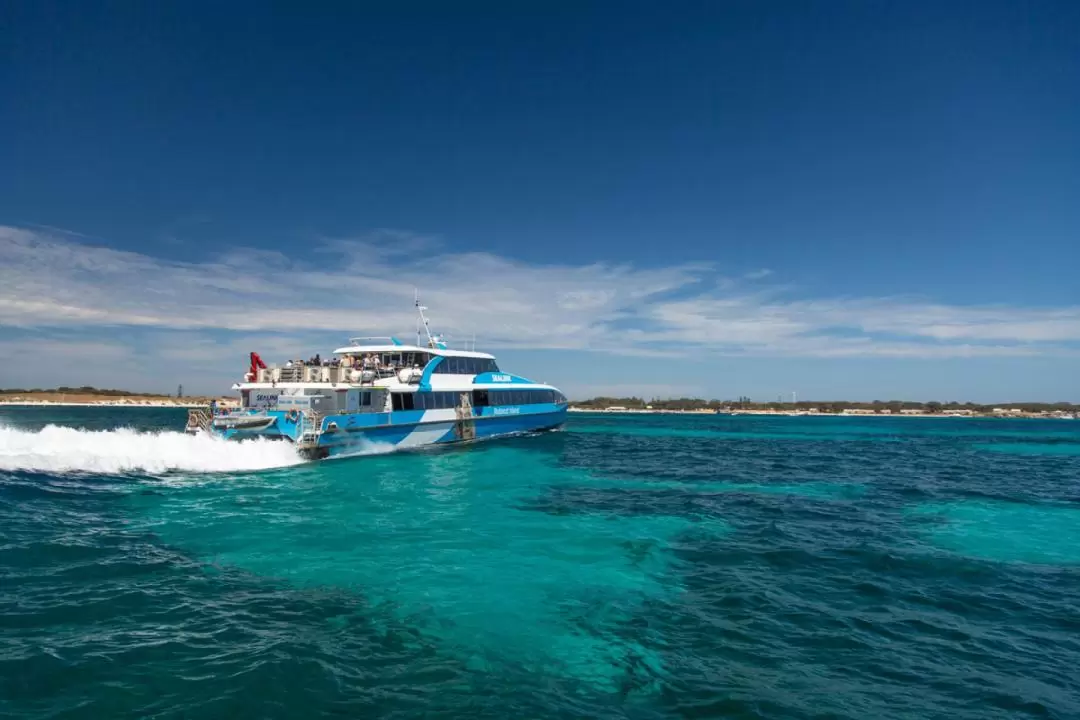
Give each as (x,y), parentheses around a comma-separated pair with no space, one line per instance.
(379,390)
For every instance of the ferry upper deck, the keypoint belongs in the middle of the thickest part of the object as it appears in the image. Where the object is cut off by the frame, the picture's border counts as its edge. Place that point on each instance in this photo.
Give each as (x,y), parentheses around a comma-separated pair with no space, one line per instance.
(381,365)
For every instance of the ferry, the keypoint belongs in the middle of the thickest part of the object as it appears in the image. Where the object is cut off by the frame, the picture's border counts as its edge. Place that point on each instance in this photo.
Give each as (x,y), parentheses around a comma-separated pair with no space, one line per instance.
(379,391)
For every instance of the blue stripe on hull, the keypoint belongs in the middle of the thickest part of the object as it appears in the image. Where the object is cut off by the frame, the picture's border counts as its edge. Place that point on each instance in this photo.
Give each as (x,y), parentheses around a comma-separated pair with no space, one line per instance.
(420,435)
(496,426)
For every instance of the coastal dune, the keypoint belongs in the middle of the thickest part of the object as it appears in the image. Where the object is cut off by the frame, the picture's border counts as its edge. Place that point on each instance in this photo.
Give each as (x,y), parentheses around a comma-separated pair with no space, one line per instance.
(109,400)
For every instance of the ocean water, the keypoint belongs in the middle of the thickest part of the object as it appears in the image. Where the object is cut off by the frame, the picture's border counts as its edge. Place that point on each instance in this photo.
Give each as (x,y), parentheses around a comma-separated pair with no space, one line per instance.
(625,566)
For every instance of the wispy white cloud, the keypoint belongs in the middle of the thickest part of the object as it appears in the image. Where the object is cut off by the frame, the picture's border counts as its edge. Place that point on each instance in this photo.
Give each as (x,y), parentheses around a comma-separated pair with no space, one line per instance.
(49,279)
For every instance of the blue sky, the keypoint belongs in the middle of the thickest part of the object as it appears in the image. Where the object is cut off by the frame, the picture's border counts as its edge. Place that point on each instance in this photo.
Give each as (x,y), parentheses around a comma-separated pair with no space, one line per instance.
(862,200)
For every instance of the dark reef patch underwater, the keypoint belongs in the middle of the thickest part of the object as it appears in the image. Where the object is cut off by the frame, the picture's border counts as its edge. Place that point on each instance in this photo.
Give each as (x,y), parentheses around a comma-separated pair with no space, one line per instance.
(626,566)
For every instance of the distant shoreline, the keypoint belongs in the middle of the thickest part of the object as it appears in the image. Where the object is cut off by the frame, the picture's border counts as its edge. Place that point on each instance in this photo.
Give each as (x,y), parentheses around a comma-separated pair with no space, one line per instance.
(98,399)
(807,413)
(104,403)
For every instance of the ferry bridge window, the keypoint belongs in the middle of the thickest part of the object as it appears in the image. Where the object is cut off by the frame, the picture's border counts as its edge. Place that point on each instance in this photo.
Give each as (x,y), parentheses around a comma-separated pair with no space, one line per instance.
(453,365)
(486,365)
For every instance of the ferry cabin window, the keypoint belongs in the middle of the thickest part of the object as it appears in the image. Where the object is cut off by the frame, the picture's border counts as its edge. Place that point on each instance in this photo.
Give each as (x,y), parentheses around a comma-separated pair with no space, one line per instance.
(522,397)
(451,365)
(435,400)
(448,400)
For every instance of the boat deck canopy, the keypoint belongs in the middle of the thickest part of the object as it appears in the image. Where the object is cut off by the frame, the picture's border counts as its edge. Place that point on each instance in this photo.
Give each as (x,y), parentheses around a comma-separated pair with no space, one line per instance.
(445,352)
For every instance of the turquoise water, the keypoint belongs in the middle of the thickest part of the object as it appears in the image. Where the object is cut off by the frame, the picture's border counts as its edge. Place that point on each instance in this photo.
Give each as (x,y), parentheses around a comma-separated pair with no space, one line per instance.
(639,566)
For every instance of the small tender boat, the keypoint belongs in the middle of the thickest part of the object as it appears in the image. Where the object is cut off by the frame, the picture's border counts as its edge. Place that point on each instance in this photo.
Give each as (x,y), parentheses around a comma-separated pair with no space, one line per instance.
(243,422)
(381,390)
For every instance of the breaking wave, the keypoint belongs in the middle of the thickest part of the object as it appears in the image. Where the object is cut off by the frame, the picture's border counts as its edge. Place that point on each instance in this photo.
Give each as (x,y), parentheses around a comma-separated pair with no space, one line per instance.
(60,449)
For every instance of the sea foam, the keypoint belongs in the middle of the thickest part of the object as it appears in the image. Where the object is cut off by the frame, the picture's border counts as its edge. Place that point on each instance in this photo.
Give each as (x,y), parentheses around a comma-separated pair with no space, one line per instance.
(111,452)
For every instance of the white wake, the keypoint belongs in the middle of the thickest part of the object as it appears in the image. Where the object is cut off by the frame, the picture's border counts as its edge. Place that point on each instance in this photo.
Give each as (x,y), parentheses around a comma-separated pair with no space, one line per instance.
(64,449)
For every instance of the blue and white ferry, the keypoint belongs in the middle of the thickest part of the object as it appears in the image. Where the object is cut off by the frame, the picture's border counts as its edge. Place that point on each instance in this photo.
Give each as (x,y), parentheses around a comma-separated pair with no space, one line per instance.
(379,390)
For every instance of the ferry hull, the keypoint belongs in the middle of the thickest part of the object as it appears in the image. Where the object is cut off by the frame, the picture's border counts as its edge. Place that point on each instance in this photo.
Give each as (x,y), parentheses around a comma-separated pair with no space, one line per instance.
(344,435)
(400,437)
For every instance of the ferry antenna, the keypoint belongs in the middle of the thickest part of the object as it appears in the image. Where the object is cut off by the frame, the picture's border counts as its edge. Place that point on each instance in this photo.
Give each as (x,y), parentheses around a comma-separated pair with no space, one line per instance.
(422,318)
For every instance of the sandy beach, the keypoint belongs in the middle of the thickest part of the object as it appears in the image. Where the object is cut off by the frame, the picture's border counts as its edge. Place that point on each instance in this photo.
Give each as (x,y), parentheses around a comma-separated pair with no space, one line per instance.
(89,400)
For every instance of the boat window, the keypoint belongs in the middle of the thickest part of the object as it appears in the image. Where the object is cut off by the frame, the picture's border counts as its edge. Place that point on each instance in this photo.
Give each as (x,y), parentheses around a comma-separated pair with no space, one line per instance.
(402,401)
(495,398)
(435,400)
(453,365)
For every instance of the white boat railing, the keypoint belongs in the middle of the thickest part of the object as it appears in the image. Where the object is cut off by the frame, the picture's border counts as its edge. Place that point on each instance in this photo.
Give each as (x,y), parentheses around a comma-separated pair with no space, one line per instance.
(199,419)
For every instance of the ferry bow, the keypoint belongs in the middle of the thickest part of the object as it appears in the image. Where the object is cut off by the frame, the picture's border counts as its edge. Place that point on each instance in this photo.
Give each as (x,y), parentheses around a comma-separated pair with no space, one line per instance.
(379,390)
